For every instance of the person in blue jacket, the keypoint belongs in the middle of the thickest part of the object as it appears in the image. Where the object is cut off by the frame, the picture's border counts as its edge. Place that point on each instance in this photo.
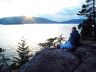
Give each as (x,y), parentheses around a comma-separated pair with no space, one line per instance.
(74,39)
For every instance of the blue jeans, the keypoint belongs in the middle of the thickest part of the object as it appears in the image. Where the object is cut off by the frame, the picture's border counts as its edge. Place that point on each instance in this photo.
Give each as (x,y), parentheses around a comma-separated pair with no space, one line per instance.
(66,45)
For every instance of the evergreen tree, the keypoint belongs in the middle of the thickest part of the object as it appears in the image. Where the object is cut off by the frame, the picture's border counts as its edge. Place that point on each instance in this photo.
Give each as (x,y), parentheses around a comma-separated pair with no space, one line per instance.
(88,27)
(86,30)
(3,61)
(23,52)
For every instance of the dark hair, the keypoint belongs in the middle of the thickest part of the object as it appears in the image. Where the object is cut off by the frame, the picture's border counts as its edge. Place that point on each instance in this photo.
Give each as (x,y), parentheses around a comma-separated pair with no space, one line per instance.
(74,28)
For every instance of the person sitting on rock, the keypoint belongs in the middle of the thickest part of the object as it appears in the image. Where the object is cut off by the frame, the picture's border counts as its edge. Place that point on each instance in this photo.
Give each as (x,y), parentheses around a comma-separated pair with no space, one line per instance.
(73,41)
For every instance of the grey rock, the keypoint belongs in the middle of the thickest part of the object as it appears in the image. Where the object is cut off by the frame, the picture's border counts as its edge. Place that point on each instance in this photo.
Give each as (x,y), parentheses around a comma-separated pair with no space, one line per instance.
(83,59)
(51,60)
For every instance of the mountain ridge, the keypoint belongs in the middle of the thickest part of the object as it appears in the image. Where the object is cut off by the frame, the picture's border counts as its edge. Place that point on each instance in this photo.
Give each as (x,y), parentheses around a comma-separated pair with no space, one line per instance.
(34,20)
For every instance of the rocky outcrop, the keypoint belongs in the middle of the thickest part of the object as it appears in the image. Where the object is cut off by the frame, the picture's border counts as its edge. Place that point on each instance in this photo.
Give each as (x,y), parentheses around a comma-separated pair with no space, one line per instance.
(83,59)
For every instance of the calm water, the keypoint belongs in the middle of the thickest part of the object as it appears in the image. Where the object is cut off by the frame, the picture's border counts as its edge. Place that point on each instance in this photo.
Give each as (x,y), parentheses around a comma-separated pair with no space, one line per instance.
(10,35)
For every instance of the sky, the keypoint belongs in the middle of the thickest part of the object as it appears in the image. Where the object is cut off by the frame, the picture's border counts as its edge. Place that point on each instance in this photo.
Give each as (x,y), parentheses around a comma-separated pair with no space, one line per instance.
(57,10)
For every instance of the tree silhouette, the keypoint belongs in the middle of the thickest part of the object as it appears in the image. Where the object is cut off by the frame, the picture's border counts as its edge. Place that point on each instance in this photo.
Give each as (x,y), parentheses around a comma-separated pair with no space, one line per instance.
(3,61)
(86,30)
(52,42)
(23,52)
(49,43)
(88,27)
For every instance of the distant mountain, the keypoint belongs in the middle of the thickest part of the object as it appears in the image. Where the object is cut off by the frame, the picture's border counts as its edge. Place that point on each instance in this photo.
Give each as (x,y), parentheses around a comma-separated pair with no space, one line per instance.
(39,20)
(23,20)
(73,21)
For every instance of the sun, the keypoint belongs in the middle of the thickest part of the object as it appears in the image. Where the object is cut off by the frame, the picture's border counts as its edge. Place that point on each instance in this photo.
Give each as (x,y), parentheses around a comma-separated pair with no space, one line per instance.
(28,17)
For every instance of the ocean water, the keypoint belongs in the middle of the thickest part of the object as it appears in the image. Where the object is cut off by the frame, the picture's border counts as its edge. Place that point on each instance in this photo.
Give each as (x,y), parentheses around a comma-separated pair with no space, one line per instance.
(10,35)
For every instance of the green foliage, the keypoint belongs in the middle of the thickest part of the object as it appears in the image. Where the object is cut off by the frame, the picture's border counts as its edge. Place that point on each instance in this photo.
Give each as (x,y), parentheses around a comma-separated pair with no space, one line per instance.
(52,42)
(49,43)
(3,61)
(88,26)
(86,30)
(88,8)
(23,52)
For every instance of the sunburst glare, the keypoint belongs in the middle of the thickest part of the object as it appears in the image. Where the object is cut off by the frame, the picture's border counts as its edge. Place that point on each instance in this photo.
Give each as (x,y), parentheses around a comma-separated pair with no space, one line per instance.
(28,17)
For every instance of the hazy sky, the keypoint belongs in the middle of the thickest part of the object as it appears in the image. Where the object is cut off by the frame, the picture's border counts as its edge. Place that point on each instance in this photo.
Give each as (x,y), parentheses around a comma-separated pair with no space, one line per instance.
(51,9)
